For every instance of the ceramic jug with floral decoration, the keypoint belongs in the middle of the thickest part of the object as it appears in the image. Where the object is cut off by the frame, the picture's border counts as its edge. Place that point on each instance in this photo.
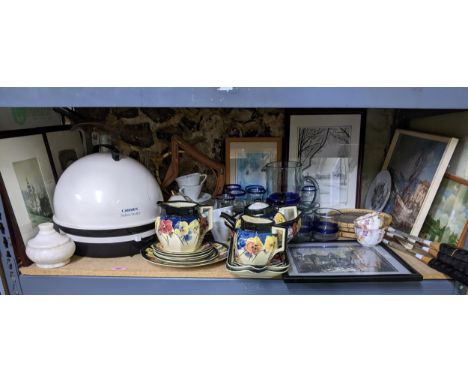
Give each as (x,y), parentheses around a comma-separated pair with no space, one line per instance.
(257,240)
(182,226)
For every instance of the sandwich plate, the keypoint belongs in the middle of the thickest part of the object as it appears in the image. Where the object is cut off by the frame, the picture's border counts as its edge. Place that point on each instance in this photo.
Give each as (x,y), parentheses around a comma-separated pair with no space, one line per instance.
(220,254)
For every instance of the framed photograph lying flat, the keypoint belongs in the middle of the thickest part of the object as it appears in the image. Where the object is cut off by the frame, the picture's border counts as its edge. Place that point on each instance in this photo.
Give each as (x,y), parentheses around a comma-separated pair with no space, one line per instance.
(346,261)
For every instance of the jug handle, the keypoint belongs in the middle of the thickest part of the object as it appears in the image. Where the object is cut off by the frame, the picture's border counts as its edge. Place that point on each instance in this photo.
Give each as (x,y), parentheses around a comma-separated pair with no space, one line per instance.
(204,176)
(156,223)
(281,233)
(312,180)
(229,220)
(208,209)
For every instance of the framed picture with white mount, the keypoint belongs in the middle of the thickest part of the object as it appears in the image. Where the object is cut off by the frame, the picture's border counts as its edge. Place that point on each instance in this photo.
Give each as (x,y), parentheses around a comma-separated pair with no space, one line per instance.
(29,181)
(329,144)
(246,157)
(417,163)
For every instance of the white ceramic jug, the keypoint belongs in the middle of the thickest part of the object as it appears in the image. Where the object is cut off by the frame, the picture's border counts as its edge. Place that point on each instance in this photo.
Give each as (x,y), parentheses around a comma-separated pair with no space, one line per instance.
(50,249)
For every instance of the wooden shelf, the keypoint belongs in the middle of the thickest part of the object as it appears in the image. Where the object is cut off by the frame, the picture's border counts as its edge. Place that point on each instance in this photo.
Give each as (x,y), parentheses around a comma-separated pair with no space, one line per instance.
(136,266)
(129,266)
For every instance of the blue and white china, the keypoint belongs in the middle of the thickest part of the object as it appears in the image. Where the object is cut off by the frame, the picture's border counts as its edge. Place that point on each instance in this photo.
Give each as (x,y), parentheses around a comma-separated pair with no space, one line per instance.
(183,225)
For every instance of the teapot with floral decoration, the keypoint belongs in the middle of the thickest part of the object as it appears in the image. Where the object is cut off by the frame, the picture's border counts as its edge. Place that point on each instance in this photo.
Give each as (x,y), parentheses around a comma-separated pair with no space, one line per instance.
(288,217)
(182,226)
(256,240)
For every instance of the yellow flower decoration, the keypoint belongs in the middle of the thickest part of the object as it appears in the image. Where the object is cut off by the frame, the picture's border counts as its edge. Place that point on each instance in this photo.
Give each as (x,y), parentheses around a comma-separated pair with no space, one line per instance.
(271,243)
(182,228)
(279,218)
(194,226)
(253,245)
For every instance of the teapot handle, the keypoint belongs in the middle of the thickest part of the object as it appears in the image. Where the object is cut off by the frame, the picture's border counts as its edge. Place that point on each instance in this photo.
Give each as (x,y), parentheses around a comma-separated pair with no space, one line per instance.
(281,233)
(208,209)
(229,221)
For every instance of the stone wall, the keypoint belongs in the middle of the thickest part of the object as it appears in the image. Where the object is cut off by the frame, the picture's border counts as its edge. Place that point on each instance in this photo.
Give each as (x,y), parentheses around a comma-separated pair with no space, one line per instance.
(145,134)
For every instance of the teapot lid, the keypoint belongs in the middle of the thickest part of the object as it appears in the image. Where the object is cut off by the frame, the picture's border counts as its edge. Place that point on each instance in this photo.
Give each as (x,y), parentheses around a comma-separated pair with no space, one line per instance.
(259,209)
(254,223)
(180,208)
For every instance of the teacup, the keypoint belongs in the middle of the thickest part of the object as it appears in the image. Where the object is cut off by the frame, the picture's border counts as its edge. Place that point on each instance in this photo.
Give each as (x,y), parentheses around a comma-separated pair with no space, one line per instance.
(257,240)
(369,237)
(373,220)
(183,225)
(191,179)
(193,192)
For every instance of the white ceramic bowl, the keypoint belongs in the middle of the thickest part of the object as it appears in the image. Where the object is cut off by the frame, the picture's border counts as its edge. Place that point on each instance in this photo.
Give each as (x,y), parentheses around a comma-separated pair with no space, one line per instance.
(50,249)
(369,237)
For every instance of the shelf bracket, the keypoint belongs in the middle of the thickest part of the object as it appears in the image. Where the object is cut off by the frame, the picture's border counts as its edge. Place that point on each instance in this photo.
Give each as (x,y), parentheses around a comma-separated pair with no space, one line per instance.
(7,256)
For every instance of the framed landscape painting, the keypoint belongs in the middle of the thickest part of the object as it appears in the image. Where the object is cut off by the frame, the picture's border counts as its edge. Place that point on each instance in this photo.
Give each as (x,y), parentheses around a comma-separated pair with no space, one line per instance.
(447,219)
(246,157)
(329,148)
(417,163)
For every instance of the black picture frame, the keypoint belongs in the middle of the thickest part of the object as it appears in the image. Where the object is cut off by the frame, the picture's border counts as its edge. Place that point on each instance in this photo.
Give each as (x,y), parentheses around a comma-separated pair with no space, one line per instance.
(413,275)
(361,112)
(36,131)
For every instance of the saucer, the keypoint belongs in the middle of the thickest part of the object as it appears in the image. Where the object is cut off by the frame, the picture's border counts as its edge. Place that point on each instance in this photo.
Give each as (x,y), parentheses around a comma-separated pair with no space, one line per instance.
(251,271)
(184,262)
(204,197)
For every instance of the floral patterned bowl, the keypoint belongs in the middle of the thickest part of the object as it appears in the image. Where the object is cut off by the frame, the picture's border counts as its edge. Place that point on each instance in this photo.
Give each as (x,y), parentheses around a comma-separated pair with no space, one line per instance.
(369,237)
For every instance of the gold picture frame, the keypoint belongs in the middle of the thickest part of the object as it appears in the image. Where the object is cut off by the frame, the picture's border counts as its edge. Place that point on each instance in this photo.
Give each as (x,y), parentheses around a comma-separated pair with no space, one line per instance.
(253,153)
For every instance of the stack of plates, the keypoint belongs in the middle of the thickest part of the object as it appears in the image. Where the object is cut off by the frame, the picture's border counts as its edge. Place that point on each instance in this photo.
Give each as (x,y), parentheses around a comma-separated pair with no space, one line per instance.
(278,265)
(209,253)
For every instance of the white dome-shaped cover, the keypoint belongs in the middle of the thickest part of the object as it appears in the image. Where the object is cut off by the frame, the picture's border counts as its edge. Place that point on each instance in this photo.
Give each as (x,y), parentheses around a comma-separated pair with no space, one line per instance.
(99,193)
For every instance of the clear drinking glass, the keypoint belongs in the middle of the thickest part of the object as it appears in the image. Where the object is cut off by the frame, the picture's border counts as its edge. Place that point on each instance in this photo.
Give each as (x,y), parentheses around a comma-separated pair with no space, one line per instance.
(239,199)
(224,200)
(255,193)
(325,224)
(230,187)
